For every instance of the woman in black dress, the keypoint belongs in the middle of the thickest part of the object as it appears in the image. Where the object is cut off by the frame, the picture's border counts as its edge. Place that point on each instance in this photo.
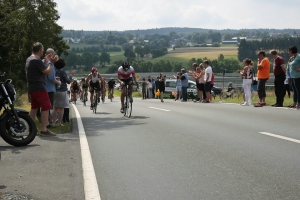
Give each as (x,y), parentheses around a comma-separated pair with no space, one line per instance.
(162,86)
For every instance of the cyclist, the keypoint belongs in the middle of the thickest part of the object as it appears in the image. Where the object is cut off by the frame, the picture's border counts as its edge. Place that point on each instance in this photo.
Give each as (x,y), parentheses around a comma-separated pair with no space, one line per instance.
(111,85)
(74,89)
(93,80)
(125,75)
(83,87)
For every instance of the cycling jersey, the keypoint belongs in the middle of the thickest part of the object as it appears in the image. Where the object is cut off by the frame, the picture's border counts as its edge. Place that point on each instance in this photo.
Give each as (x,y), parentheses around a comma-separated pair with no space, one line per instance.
(95,79)
(125,74)
(111,84)
(75,87)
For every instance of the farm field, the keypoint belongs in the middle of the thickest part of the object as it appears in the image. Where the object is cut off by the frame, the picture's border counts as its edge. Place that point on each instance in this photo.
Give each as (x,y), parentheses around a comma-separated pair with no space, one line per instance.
(183,55)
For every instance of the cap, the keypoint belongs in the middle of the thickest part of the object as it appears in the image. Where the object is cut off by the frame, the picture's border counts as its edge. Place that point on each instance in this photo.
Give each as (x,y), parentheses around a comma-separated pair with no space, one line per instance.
(262,53)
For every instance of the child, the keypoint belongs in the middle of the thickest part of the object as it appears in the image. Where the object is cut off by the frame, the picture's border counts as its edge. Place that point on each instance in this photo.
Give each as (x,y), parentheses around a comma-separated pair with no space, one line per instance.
(65,118)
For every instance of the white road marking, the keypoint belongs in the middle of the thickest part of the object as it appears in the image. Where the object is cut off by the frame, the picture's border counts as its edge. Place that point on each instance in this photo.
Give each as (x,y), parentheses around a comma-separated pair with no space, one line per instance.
(280,137)
(91,189)
(160,109)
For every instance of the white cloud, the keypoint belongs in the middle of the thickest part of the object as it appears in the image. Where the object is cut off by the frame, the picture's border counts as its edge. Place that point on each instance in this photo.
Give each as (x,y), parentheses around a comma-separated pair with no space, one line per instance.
(138,14)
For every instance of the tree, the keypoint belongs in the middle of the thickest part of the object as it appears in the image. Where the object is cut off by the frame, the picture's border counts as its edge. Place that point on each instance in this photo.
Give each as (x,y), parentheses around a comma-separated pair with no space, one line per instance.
(127,46)
(22,23)
(104,57)
(140,51)
(129,54)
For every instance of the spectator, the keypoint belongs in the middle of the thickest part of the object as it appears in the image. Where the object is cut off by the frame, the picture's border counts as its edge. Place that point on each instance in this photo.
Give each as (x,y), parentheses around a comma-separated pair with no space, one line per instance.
(149,85)
(294,69)
(36,71)
(196,75)
(144,88)
(157,85)
(207,80)
(287,87)
(61,96)
(162,86)
(67,109)
(153,88)
(279,73)
(212,82)
(247,75)
(184,83)
(263,74)
(50,82)
(178,86)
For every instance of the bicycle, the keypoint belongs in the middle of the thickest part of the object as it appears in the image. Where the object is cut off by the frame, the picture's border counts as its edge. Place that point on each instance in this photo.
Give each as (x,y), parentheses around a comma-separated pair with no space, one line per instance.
(95,101)
(110,94)
(84,96)
(128,102)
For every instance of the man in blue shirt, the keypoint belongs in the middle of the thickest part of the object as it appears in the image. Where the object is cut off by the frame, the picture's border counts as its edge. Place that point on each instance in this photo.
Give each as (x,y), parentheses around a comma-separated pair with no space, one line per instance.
(184,84)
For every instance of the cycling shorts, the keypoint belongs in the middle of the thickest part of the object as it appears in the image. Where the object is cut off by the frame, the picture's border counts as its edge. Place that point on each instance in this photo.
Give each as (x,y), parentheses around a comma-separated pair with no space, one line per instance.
(94,86)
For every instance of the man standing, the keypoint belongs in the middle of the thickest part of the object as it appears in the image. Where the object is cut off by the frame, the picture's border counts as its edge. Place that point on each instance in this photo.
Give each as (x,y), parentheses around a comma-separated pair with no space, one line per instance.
(279,73)
(207,80)
(36,71)
(263,74)
(184,84)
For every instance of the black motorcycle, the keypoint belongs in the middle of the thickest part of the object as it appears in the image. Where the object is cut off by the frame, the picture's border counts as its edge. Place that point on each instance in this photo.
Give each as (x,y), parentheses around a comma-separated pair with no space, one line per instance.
(17,128)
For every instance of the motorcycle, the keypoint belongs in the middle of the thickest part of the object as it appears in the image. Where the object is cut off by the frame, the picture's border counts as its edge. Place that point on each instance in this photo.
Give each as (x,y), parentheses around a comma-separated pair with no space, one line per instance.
(17,128)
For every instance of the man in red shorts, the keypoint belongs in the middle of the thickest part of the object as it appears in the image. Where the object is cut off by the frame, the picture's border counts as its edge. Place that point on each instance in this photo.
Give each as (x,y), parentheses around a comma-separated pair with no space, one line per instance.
(36,71)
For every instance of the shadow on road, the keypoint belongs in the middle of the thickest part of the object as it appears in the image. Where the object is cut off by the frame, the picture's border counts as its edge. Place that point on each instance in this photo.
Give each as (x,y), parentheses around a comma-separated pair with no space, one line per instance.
(17,150)
(93,125)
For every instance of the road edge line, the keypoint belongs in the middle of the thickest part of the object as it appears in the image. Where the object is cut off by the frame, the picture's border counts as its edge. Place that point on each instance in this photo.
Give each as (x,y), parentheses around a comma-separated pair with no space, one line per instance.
(91,189)
(280,137)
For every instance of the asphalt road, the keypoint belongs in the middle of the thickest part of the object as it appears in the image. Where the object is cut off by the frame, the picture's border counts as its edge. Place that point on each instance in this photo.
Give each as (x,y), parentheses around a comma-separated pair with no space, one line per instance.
(176,150)
(169,150)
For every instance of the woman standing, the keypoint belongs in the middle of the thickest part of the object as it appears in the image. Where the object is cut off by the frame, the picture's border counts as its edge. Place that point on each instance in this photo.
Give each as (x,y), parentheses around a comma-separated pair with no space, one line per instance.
(178,86)
(162,86)
(144,88)
(61,97)
(247,75)
(294,68)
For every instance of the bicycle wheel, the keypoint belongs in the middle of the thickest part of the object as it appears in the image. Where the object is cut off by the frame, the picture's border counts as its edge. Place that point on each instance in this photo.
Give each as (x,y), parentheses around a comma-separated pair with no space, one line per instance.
(129,107)
(84,99)
(125,103)
(95,103)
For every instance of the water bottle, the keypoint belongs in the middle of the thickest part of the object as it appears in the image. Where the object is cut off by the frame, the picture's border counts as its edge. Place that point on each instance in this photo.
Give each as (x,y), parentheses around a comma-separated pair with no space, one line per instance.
(57,86)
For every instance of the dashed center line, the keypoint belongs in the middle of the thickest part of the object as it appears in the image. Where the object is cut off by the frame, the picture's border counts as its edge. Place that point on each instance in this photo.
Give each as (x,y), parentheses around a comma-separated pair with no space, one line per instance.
(280,137)
(160,109)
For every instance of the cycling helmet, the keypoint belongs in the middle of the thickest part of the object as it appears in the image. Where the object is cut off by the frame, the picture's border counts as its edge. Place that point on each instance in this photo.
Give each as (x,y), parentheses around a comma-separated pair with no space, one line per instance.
(125,65)
(94,69)
(230,83)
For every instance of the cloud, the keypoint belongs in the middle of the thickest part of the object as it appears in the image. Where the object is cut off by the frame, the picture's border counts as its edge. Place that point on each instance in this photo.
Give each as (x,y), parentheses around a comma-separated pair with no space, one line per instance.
(137,14)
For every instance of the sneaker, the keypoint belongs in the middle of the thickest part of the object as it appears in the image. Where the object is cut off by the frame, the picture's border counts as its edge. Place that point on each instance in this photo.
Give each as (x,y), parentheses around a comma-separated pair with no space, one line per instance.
(122,110)
(245,104)
(274,105)
(50,126)
(263,103)
(47,133)
(242,103)
(258,105)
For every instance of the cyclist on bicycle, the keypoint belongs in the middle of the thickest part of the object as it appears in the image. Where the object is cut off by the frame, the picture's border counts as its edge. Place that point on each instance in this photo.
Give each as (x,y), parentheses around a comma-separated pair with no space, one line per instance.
(74,87)
(83,87)
(111,85)
(93,80)
(125,75)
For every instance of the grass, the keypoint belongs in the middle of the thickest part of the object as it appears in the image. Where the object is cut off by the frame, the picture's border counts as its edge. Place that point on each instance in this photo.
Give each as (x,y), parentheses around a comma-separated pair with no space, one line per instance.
(22,103)
(270,99)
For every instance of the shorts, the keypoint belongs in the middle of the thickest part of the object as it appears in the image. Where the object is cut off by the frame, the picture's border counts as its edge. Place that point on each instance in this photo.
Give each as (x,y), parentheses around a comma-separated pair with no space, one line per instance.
(95,86)
(127,81)
(178,88)
(61,99)
(207,87)
(201,87)
(40,99)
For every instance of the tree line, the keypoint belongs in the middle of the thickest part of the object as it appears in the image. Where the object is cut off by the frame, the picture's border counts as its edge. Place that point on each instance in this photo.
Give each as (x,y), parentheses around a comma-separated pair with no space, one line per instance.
(22,23)
(249,49)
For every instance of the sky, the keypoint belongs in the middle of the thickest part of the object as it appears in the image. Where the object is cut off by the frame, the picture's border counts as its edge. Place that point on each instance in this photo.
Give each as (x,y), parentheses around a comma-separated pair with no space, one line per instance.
(120,15)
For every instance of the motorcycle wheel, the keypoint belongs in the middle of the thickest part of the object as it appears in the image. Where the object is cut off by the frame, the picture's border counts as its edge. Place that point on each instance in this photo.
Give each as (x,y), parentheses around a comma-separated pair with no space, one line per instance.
(14,136)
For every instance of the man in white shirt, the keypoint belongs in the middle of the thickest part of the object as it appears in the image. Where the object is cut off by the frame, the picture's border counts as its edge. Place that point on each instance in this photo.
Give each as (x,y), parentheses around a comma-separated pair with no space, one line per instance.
(207,79)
